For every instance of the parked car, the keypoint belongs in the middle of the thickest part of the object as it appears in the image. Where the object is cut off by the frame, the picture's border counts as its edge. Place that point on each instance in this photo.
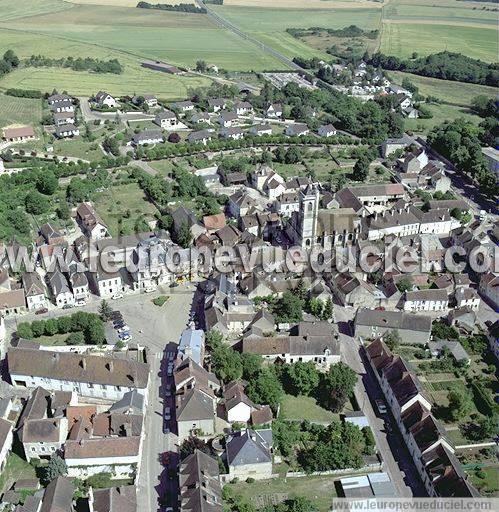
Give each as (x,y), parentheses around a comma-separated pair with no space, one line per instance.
(80,303)
(171,356)
(118,324)
(168,391)
(150,289)
(116,314)
(380,404)
(124,329)
(125,337)
(168,415)
(118,295)
(41,311)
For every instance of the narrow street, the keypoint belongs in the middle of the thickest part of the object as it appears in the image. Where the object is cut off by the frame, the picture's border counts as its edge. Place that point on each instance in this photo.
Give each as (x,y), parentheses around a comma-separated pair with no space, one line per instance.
(396,459)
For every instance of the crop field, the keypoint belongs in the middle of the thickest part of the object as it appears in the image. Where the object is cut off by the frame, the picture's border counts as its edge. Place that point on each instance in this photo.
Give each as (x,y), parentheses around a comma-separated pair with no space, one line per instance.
(424,27)
(178,38)
(19,110)
(269,24)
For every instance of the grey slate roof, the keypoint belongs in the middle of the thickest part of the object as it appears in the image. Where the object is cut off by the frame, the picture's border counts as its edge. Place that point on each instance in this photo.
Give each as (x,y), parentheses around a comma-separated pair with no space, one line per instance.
(132,402)
(393,320)
(249,447)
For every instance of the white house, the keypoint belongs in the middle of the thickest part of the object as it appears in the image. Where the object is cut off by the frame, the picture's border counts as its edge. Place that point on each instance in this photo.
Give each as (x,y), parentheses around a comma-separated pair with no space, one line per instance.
(316,342)
(297,130)
(94,376)
(238,406)
(166,119)
(104,99)
(227,119)
(43,437)
(327,130)
(243,108)
(107,284)
(117,455)
(147,137)
(61,293)
(274,110)
(67,130)
(90,222)
(489,287)
(6,440)
(261,129)
(34,290)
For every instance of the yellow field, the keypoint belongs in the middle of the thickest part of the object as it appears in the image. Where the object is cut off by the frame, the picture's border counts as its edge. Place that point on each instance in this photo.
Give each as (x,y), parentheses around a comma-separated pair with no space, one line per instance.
(304,4)
(125,3)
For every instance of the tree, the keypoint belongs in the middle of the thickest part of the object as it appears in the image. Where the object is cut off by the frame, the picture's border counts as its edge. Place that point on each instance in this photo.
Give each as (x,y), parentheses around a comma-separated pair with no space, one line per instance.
(105,310)
(288,309)
(110,144)
(190,445)
(405,284)
(252,363)
(56,467)
(361,169)
(338,385)
(11,58)
(327,312)
(94,332)
(392,339)
(302,378)
(486,427)
(75,338)
(226,363)
(64,324)
(47,183)
(183,236)
(201,66)
(174,138)
(36,203)
(266,388)
(460,403)
(316,307)
(24,330)
(51,327)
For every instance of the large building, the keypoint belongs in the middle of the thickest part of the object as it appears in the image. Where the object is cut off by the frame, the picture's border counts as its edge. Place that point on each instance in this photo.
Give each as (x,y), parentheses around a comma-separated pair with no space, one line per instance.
(94,376)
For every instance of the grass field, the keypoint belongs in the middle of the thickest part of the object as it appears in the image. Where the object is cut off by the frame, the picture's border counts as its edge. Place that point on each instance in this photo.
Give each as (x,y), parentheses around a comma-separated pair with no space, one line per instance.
(15,469)
(304,408)
(458,93)
(319,489)
(19,110)
(179,38)
(122,207)
(269,24)
(427,27)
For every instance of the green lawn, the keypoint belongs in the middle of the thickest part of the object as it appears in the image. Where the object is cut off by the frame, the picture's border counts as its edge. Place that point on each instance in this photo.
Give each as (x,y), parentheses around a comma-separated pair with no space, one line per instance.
(78,148)
(55,340)
(319,489)
(304,408)
(164,167)
(458,93)
(16,469)
(489,485)
(124,207)
(19,111)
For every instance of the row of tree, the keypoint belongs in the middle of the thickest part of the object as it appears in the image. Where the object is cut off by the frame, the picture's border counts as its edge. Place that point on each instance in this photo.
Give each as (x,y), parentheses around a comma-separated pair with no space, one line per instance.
(77,64)
(191,8)
(83,328)
(445,65)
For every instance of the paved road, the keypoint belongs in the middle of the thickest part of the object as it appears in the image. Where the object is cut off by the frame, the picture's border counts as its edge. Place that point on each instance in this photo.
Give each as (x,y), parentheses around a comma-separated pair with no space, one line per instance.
(396,459)
(158,331)
(91,115)
(144,166)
